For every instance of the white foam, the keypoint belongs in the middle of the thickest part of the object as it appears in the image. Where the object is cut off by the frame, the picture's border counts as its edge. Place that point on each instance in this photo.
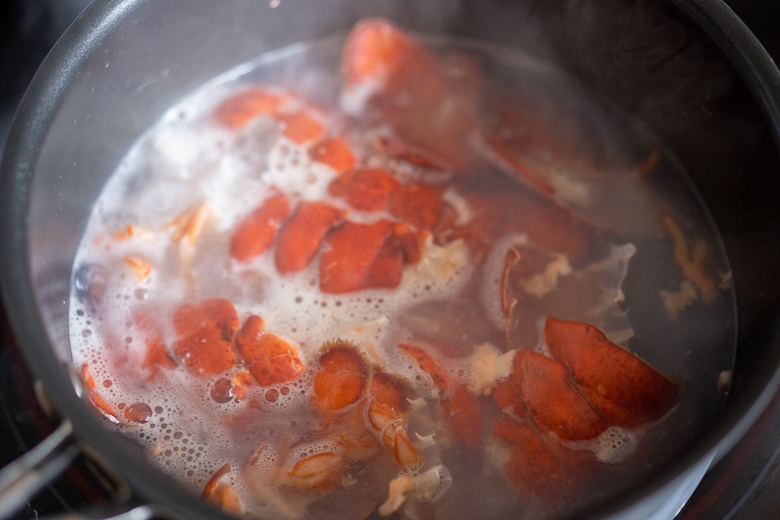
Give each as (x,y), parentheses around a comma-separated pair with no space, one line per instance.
(614,445)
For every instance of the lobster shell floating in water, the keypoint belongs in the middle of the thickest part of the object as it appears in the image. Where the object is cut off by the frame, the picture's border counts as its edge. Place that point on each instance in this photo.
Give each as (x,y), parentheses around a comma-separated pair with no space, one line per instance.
(398,200)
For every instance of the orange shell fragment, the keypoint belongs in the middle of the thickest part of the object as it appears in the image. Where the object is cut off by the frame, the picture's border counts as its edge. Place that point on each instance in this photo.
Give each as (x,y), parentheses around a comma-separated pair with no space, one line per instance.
(239,383)
(420,205)
(463,413)
(387,420)
(321,470)
(389,425)
(384,57)
(300,127)
(534,467)
(356,257)
(141,267)
(335,152)
(366,189)
(388,266)
(430,103)
(157,356)
(386,390)
(339,186)
(410,242)
(540,388)
(340,379)
(371,189)
(302,234)
(255,234)
(238,110)
(221,493)
(529,172)
(627,391)
(205,334)
(499,214)
(99,403)
(271,359)
(427,364)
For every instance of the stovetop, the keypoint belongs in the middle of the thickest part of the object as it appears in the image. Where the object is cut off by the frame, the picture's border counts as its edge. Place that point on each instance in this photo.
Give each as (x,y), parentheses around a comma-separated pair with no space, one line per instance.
(741,486)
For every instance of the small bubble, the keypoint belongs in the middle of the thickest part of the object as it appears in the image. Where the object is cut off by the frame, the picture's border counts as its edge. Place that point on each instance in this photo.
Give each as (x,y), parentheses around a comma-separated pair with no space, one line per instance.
(107,383)
(86,333)
(138,412)
(222,390)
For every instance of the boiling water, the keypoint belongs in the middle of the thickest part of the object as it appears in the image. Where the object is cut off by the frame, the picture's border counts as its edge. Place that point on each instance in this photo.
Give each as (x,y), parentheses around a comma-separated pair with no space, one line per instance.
(191,429)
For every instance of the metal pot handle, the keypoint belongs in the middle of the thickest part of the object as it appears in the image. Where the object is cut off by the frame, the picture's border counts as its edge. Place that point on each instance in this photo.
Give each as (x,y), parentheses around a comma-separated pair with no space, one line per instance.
(109,512)
(27,475)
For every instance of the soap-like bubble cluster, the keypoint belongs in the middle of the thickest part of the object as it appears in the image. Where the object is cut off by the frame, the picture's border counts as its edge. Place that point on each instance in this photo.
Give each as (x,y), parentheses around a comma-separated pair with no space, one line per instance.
(613,446)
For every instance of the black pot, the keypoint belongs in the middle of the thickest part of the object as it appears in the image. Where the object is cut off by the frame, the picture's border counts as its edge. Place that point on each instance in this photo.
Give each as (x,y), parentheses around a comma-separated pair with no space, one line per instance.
(688,69)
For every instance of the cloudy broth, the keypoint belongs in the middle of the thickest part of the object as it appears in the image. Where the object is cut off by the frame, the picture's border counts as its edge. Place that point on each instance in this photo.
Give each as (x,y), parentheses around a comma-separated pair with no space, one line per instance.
(160,237)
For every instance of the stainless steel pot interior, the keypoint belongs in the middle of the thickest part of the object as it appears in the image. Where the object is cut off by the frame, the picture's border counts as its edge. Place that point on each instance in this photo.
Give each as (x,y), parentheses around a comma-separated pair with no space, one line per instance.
(123,63)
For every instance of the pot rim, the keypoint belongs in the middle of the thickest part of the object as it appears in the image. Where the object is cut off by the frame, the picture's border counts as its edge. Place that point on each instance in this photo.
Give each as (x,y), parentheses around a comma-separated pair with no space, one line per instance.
(37,111)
